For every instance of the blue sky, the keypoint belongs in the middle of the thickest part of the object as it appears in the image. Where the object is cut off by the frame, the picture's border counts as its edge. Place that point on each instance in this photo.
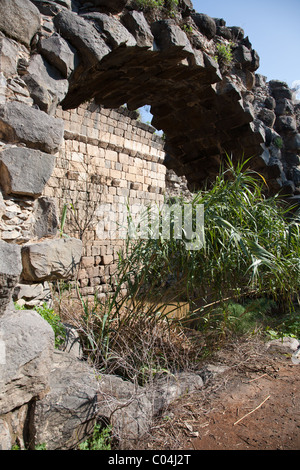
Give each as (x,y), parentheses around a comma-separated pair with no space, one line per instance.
(273,28)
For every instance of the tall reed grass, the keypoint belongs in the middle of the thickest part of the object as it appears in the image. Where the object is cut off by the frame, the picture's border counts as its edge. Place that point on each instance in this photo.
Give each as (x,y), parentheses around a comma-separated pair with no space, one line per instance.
(251,249)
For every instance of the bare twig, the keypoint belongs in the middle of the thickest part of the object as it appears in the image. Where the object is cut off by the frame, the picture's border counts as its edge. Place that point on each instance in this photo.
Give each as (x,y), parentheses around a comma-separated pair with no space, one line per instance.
(250,412)
(257,378)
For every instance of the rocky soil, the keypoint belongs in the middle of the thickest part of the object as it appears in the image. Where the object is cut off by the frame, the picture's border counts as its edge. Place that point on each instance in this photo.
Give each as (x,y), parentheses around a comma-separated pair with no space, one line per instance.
(253,405)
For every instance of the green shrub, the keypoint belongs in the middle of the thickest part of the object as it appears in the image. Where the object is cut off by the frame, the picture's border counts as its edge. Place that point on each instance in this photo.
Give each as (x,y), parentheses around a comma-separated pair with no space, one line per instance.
(287,325)
(224,53)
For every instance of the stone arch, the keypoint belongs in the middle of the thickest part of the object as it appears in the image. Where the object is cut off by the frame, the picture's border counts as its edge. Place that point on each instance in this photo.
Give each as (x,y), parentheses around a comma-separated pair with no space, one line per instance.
(203,112)
(114,53)
(62,53)
(197,74)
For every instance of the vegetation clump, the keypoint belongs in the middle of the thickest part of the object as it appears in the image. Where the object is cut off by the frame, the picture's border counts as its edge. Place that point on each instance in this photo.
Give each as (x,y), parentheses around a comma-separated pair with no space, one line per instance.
(100,439)
(169,5)
(171,305)
(224,53)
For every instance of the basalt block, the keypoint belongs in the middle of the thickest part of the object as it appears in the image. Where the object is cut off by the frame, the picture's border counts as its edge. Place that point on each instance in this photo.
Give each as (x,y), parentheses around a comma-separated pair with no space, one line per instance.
(51,259)
(25,171)
(59,53)
(46,85)
(20,123)
(19,19)
(28,343)
(137,25)
(116,34)
(10,270)
(83,36)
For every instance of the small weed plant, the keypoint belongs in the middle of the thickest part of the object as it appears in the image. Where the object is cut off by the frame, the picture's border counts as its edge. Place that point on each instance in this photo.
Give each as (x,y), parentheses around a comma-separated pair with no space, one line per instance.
(278,142)
(149,3)
(54,321)
(224,53)
(170,5)
(100,440)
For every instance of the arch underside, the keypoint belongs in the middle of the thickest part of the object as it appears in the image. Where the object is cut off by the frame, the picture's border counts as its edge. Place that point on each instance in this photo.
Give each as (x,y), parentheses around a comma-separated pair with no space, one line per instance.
(202,117)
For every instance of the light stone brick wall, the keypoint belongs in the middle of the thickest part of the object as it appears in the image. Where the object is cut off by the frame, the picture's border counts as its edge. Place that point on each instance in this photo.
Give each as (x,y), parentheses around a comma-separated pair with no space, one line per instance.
(108,159)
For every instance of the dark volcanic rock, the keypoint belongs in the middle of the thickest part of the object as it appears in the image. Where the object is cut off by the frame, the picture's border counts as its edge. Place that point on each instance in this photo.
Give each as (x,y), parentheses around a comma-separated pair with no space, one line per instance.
(82,35)
(21,123)
(25,171)
(206,24)
(19,19)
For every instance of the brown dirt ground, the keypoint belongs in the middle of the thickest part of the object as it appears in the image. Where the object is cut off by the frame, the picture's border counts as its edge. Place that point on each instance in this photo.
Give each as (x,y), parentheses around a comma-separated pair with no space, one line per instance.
(207,420)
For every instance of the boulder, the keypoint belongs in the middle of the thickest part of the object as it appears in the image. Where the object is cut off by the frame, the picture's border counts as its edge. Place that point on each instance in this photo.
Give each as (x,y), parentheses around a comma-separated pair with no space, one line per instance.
(255,61)
(2,205)
(8,57)
(46,219)
(285,124)
(170,38)
(243,55)
(19,19)
(48,7)
(293,143)
(46,85)
(224,32)
(51,259)
(286,345)
(277,84)
(65,3)
(14,430)
(169,388)
(10,270)
(267,116)
(3,84)
(83,36)
(186,5)
(126,406)
(292,159)
(284,106)
(67,414)
(33,295)
(36,129)
(25,171)
(131,408)
(137,25)
(205,24)
(237,32)
(114,31)
(59,53)
(29,343)
(27,291)
(72,344)
(270,103)
(5,437)
(280,90)
(295,172)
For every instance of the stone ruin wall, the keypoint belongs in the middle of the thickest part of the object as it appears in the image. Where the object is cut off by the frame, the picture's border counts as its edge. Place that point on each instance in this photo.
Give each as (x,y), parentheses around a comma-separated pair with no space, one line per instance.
(108,159)
(56,57)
